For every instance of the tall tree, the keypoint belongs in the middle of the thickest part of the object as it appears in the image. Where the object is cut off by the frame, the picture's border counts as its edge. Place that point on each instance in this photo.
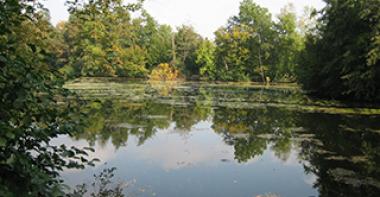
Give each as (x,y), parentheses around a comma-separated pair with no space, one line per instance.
(187,42)
(105,40)
(206,60)
(245,45)
(288,45)
(232,54)
(160,48)
(341,61)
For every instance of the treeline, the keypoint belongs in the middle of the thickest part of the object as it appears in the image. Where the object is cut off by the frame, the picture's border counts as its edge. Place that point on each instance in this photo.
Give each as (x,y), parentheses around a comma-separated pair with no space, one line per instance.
(329,55)
(102,38)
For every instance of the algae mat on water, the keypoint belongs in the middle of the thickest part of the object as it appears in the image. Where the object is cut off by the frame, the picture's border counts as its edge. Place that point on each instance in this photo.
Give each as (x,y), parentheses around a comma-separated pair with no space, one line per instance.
(234,95)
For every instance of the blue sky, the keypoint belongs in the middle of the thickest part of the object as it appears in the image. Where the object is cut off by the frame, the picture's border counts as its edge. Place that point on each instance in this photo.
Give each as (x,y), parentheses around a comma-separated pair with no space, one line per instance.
(205,15)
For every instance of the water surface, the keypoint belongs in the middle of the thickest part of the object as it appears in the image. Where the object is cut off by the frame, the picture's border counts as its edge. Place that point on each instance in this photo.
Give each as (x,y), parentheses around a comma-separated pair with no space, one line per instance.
(202,139)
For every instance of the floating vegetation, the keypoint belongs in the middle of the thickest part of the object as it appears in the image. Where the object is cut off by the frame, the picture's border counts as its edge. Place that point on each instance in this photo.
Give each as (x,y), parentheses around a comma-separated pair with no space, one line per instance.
(128,126)
(232,95)
(351,178)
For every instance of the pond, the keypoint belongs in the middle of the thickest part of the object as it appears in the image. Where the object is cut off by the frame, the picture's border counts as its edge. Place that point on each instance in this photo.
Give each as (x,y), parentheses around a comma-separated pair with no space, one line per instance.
(226,139)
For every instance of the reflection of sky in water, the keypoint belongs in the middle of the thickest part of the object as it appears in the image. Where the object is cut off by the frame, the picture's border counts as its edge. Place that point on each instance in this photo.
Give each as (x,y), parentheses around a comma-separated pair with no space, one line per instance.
(276,132)
(197,163)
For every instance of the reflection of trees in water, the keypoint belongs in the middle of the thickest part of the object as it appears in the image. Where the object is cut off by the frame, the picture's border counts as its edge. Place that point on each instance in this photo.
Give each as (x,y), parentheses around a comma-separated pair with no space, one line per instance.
(117,120)
(342,151)
(163,88)
(186,117)
(250,131)
(344,154)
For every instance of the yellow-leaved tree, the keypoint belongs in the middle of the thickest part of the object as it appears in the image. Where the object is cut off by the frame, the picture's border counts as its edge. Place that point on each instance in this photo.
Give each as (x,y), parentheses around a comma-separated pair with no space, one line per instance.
(164,72)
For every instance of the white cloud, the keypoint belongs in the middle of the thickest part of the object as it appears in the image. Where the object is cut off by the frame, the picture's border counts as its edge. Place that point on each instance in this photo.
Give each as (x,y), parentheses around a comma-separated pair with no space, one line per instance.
(177,151)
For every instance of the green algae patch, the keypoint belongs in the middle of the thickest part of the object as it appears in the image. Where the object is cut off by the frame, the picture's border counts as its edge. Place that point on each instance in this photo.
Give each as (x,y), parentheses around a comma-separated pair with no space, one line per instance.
(236,95)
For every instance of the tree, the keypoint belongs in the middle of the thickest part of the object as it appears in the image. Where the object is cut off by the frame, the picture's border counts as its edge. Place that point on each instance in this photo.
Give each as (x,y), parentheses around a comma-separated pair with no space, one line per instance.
(341,60)
(244,47)
(288,45)
(34,106)
(232,54)
(206,60)
(160,48)
(105,41)
(187,42)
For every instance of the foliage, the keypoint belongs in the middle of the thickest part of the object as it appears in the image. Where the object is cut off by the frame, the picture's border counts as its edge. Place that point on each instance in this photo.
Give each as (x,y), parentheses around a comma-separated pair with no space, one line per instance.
(341,60)
(206,60)
(231,54)
(164,72)
(103,39)
(34,106)
(244,46)
(187,42)
(289,44)
(160,47)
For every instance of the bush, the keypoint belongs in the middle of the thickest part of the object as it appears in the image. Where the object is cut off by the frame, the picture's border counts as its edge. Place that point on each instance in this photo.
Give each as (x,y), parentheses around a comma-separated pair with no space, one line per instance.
(164,72)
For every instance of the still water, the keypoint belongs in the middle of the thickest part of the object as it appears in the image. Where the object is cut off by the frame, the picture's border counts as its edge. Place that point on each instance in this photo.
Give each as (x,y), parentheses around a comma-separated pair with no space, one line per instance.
(201,139)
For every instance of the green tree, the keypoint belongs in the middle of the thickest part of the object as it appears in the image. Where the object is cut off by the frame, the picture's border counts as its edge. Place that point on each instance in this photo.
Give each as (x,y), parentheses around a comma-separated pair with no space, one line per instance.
(206,60)
(34,106)
(104,40)
(288,45)
(232,54)
(341,59)
(160,48)
(244,47)
(187,41)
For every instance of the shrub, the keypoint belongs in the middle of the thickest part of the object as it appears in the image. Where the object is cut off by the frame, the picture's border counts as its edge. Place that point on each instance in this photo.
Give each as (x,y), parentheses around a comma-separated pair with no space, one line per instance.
(164,72)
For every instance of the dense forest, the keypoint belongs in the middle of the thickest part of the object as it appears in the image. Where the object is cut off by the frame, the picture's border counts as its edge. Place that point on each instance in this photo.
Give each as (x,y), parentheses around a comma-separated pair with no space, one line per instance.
(114,39)
(101,38)
(332,53)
